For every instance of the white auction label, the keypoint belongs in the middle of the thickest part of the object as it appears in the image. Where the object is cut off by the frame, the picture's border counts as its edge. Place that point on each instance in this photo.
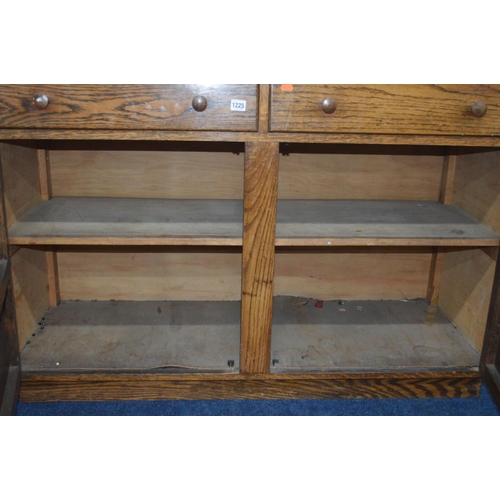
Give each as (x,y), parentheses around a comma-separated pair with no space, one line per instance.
(238,105)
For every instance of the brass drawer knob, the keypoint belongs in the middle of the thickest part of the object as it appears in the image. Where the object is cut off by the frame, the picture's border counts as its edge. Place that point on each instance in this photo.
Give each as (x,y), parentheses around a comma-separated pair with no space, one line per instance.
(479,109)
(329,106)
(40,101)
(200,103)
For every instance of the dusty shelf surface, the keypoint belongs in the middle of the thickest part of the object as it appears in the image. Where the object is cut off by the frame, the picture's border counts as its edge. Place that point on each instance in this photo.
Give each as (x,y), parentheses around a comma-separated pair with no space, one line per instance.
(119,221)
(364,335)
(169,336)
(131,220)
(377,222)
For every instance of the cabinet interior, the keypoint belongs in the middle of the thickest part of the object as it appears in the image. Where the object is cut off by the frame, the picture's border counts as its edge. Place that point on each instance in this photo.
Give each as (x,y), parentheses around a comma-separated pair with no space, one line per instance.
(115,294)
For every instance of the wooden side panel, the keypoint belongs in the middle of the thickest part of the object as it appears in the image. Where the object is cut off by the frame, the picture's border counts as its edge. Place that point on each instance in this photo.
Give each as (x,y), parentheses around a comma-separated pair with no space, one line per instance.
(135,274)
(490,358)
(147,174)
(477,187)
(466,283)
(390,274)
(360,176)
(261,190)
(21,181)
(31,296)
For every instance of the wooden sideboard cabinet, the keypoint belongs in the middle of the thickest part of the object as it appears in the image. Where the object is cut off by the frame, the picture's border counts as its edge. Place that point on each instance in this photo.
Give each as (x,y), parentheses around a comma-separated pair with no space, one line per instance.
(249,241)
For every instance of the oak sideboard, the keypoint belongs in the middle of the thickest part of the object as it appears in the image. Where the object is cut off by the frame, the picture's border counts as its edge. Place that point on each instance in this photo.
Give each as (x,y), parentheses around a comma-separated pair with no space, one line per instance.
(249,241)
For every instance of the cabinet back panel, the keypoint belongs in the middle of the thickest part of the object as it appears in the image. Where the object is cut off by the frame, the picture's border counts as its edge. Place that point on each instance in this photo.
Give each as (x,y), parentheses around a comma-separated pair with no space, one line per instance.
(354,274)
(147,174)
(465,291)
(139,274)
(360,176)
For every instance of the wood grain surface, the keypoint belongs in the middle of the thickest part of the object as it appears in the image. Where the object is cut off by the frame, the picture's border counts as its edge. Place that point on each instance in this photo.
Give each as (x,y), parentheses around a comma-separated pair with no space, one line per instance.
(387,109)
(149,273)
(261,193)
(209,136)
(95,387)
(119,107)
(147,174)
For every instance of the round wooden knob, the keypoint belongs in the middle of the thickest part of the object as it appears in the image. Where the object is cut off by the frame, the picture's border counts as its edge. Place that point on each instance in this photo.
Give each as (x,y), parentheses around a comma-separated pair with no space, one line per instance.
(200,103)
(40,101)
(479,109)
(329,106)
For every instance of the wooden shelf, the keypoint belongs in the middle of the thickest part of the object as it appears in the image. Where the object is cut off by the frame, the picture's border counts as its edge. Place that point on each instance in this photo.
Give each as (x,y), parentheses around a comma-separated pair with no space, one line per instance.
(365,335)
(377,222)
(165,336)
(131,221)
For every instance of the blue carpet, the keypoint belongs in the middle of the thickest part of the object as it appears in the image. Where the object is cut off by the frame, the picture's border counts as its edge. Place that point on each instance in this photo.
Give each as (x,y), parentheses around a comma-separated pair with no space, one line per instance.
(482,406)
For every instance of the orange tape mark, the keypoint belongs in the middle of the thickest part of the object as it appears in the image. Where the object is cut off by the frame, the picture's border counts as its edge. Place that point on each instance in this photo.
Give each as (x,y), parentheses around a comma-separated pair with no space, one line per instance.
(286,87)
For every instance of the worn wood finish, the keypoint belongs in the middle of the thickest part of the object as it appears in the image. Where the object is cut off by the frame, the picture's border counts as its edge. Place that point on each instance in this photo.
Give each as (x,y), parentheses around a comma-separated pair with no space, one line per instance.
(111,221)
(361,335)
(465,291)
(389,109)
(370,222)
(361,172)
(21,185)
(198,336)
(352,273)
(153,107)
(84,387)
(105,221)
(207,136)
(138,273)
(261,191)
(147,174)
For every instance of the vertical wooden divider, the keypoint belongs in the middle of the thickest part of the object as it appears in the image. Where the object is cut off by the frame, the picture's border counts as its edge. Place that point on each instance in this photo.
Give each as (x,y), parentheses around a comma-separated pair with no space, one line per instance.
(259,235)
(50,254)
(446,197)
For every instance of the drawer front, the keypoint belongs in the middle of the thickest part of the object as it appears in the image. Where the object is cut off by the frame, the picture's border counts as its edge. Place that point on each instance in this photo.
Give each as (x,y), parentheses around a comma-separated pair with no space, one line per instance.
(112,107)
(386,109)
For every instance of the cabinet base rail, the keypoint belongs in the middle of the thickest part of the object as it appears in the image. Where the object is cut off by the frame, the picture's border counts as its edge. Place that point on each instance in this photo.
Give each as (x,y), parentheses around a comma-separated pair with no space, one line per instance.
(106,387)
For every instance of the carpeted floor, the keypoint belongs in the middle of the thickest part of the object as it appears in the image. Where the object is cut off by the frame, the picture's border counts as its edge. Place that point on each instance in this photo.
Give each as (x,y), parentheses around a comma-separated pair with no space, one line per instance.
(483,405)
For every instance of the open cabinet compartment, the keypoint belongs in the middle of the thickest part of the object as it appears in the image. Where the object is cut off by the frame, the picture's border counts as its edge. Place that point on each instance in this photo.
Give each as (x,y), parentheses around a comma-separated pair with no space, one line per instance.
(363,281)
(126,257)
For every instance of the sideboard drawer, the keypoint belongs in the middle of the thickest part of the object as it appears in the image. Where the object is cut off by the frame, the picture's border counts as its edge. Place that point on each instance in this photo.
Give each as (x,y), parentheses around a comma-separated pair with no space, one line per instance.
(387,109)
(153,107)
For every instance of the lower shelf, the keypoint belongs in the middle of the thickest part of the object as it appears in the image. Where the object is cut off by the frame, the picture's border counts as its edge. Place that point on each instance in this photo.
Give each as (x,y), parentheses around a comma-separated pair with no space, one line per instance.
(171,336)
(180,350)
(310,335)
